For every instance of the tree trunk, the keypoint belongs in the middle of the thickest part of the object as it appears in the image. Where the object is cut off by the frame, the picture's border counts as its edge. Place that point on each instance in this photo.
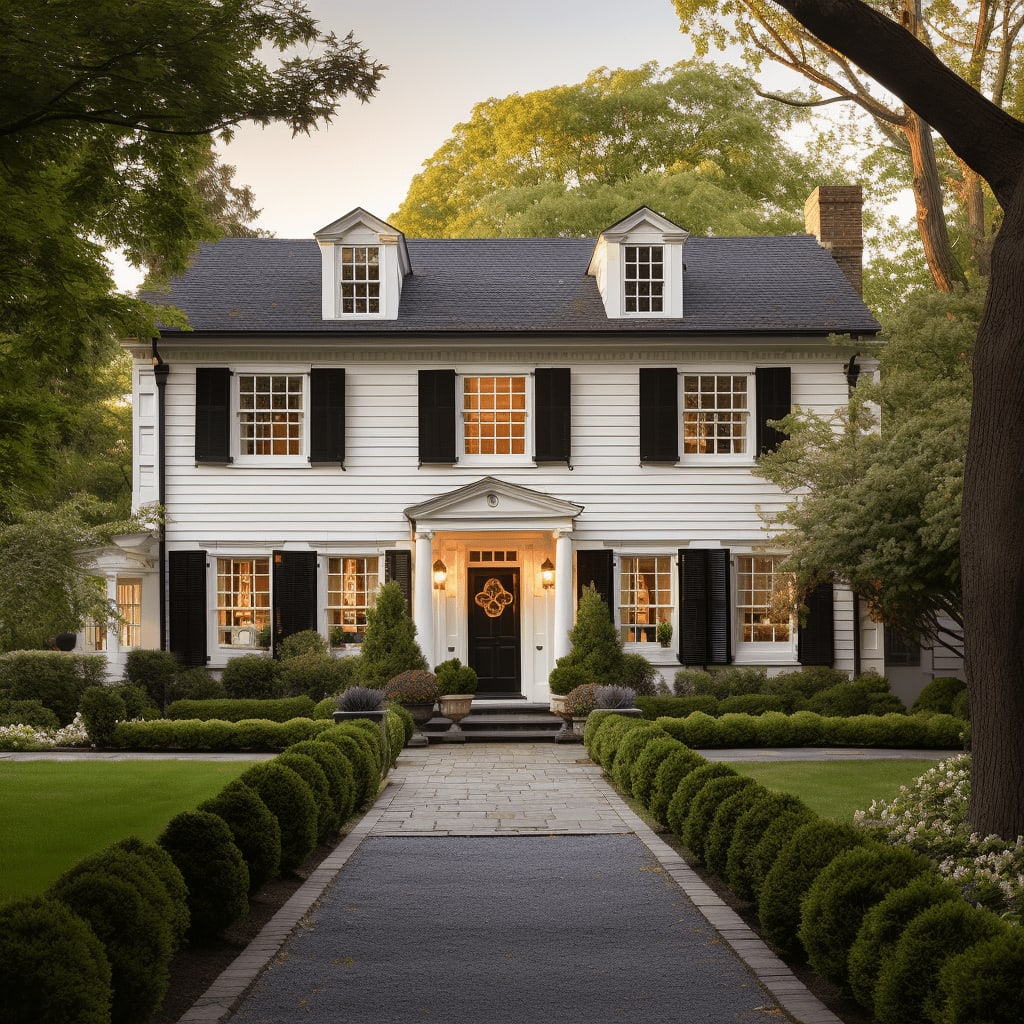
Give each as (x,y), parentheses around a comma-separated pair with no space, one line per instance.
(972,199)
(992,553)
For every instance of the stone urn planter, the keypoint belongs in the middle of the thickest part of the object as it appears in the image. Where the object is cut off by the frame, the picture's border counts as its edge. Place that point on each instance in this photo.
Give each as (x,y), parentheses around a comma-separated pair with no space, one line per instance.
(421,712)
(416,690)
(455,706)
(557,705)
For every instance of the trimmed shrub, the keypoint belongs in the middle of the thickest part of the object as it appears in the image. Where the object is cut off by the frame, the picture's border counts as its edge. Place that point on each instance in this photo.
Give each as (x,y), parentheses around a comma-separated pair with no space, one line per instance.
(389,641)
(298,645)
(154,671)
(252,676)
(883,925)
(962,706)
(27,712)
(868,694)
(607,736)
(325,708)
(939,696)
(687,790)
(807,728)
(834,907)
(774,730)
(670,773)
(908,982)
(338,770)
(138,950)
(367,735)
(198,683)
(738,730)
(364,772)
(638,674)
(722,826)
(629,749)
(395,710)
(56,679)
(327,820)
(563,679)
(984,983)
(646,766)
(947,732)
(595,723)
(729,682)
(137,703)
(281,709)
(705,806)
(454,677)
(796,687)
(52,966)
(687,680)
(751,704)
(290,800)
(676,707)
(313,675)
(161,863)
(102,708)
(701,730)
(810,849)
(254,829)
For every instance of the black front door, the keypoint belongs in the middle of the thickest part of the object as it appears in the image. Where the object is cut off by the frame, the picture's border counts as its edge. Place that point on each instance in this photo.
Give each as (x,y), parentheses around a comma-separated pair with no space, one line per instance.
(494,630)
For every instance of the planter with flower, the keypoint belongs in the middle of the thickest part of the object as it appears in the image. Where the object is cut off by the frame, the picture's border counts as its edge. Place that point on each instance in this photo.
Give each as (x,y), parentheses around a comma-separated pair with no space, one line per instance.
(616,700)
(664,633)
(417,691)
(579,702)
(457,684)
(365,702)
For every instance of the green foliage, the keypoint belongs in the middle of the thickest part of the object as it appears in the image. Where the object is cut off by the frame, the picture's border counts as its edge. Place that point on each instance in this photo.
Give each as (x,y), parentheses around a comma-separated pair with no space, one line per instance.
(454,677)
(647,764)
(252,677)
(676,707)
(102,708)
(686,791)
(236,710)
(215,735)
(337,768)
(704,808)
(52,965)
(605,739)
(204,851)
(843,892)
(638,673)
(289,798)
(315,675)
(368,736)
(163,866)
(27,712)
(939,696)
(364,770)
(137,703)
(867,695)
(254,829)
(55,679)
(154,671)
(595,655)
(720,831)
(327,819)
(397,713)
(687,680)
(985,982)
(415,686)
(307,641)
(751,704)
(630,746)
(389,642)
(670,773)
(563,679)
(197,683)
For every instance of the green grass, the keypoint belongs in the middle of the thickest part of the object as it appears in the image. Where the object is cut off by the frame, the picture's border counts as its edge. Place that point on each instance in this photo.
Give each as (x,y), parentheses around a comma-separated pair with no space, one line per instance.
(52,813)
(835,789)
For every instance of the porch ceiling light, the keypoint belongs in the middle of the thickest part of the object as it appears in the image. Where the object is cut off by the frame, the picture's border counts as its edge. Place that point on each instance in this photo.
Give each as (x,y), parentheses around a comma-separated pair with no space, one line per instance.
(440,575)
(547,574)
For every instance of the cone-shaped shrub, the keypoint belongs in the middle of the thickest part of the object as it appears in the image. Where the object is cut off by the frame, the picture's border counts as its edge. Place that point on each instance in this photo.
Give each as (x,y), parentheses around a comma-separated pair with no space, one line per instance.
(834,907)
(52,966)
(647,765)
(687,790)
(201,846)
(985,983)
(338,770)
(290,800)
(723,825)
(705,806)
(253,828)
(327,820)
(670,773)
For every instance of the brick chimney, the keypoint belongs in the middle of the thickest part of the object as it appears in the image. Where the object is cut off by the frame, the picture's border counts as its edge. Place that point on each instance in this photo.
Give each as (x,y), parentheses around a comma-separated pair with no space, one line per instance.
(834,214)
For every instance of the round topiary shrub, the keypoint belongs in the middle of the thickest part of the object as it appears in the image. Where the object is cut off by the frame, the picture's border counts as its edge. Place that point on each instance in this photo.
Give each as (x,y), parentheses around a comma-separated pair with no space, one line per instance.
(722,826)
(338,770)
(738,730)
(289,799)
(700,730)
(369,734)
(908,982)
(986,982)
(364,770)
(197,683)
(252,677)
(602,735)
(883,926)
(102,708)
(314,776)
(670,773)
(647,764)
(395,710)
(834,907)
(254,830)
(159,860)
(939,696)
(312,675)
(688,788)
(139,956)
(306,641)
(201,846)
(705,806)
(414,686)
(774,730)
(629,749)
(868,694)
(810,849)
(581,700)
(52,965)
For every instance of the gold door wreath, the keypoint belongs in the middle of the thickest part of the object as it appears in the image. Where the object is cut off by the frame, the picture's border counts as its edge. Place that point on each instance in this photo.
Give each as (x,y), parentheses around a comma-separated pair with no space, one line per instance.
(494,598)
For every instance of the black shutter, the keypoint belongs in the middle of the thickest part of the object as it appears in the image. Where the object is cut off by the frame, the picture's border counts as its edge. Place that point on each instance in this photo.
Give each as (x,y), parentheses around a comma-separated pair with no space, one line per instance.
(774,401)
(186,606)
(327,416)
(659,415)
(294,603)
(398,568)
(213,411)
(552,435)
(815,640)
(705,611)
(437,416)
(595,567)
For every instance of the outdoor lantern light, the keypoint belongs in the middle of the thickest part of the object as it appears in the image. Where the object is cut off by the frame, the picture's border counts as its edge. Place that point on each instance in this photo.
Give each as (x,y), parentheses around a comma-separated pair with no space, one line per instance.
(852,371)
(440,575)
(547,574)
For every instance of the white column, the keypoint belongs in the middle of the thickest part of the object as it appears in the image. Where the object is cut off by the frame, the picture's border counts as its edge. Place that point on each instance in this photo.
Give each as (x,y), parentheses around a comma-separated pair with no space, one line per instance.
(423,596)
(563,594)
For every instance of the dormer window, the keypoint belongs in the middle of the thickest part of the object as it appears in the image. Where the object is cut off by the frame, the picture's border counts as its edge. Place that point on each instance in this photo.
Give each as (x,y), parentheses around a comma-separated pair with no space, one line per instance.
(360,279)
(644,278)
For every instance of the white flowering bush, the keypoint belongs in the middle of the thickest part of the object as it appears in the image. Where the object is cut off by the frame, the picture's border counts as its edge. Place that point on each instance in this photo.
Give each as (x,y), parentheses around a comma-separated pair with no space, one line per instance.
(29,737)
(931,816)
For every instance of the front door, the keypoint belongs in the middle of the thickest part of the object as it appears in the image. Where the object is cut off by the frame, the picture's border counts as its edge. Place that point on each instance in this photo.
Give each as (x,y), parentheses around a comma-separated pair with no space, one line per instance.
(494,630)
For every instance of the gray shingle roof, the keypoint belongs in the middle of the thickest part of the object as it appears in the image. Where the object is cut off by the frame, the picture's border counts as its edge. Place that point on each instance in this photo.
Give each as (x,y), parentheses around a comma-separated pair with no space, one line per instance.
(776,285)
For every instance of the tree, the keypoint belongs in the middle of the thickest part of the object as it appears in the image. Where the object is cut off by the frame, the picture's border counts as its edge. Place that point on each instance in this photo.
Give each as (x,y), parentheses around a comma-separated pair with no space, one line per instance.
(692,141)
(596,653)
(389,642)
(977,39)
(880,511)
(991,142)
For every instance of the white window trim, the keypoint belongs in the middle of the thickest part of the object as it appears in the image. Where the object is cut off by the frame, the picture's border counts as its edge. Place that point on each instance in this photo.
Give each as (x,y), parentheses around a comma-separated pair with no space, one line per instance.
(747,457)
(340,314)
(269,461)
(747,652)
(526,459)
(324,612)
(645,314)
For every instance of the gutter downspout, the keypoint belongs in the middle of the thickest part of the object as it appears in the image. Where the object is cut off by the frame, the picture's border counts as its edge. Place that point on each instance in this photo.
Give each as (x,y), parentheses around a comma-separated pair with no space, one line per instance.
(160,372)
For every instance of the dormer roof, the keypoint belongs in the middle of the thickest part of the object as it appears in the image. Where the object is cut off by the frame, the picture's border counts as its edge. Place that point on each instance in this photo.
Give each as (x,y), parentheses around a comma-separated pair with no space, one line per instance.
(358,223)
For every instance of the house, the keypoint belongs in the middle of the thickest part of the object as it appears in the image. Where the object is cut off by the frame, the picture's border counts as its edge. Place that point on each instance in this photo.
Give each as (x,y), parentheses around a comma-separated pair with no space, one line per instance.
(494,424)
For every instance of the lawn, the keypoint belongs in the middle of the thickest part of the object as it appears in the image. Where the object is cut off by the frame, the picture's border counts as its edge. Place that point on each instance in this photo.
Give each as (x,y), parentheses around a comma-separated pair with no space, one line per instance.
(54,813)
(835,789)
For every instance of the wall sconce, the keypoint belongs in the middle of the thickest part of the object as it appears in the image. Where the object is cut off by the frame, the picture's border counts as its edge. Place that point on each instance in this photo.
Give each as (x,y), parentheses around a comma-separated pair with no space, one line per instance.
(440,575)
(852,371)
(547,574)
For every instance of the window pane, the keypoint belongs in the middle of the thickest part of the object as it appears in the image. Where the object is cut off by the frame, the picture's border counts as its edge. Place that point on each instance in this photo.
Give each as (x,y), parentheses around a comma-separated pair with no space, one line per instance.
(360,279)
(646,595)
(494,415)
(715,414)
(129,607)
(763,599)
(643,278)
(351,590)
(270,414)
(243,600)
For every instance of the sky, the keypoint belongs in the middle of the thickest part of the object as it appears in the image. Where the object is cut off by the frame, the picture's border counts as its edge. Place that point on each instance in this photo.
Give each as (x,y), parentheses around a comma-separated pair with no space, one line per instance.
(443,57)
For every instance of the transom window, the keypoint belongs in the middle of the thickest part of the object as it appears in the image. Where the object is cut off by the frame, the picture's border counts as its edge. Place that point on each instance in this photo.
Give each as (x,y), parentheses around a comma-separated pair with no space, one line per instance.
(494,415)
(494,556)
(644,278)
(763,599)
(352,584)
(715,414)
(360,279)
(243,600)
(270,414)
(646,595)
(129,608)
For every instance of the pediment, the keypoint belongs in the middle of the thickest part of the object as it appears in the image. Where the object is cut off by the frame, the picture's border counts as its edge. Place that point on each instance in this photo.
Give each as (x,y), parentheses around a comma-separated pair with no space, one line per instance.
(489,503)
(352,222)
(645,221)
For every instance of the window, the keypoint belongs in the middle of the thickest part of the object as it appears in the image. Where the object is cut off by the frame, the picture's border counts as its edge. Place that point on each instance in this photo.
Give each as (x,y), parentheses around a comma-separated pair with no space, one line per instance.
(644,278)
(270,414)
(243,600)
(646,595)
(352,584)
(494,415)
(715,413)
(900,650)
(129,607)
(763,600)
(94,637)
(360,279)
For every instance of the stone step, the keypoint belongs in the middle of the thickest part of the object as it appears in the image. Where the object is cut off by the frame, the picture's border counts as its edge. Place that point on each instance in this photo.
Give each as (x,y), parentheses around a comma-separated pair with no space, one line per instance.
(505,722)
